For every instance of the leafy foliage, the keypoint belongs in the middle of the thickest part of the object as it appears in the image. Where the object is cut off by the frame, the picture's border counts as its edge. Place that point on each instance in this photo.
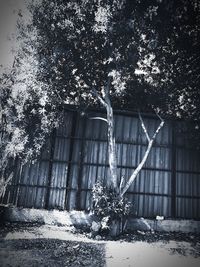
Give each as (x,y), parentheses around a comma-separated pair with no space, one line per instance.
(27,113)
(86,44)
(106,203)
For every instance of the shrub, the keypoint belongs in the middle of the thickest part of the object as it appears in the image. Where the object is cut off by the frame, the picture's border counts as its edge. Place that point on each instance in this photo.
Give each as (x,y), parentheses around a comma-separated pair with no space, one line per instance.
(106,203)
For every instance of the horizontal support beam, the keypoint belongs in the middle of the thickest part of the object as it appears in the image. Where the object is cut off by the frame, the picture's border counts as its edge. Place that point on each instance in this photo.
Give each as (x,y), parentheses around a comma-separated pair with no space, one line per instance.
(122,166)
(117,141)
(127,142)
(106,165)
(90,189)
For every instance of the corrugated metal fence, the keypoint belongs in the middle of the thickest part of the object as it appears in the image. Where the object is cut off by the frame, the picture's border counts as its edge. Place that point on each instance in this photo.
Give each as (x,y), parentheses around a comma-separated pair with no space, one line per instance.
(76,156)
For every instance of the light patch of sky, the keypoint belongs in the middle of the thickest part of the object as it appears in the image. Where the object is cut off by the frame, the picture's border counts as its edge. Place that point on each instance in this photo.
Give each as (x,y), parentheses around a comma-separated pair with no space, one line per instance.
(9,10)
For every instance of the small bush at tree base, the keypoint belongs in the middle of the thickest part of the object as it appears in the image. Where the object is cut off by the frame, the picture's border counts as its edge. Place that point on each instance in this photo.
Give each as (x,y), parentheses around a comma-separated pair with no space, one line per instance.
(109,206)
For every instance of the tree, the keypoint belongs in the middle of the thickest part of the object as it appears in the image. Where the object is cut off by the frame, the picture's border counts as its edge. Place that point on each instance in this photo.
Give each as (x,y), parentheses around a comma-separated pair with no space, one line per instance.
(27,115)
(114,53)
(89,51)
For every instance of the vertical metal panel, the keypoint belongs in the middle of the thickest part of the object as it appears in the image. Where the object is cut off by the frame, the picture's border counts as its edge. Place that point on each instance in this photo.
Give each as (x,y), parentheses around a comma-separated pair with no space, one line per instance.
(21,201)
(73,183)
(103,153)
(59,175)
(95,152)
(185,207)
(188,160)
(71,202)
(129,155)
(58,181)
(32,176)
(61,151)
(88,177)
(68,197)
(64,128)
(154,182)
(159,158)
(53,136)
(89,163)
(187,181)
(188,185)
(45,153)
(90,152)
(118,127)
(82,200)
(173,170)
(93,128)
(43,173)
(81,161)
(10,194)
(18,179)
(40,198)
(151,206)
(88,201)
(76,151)
(80,121)
(126,128)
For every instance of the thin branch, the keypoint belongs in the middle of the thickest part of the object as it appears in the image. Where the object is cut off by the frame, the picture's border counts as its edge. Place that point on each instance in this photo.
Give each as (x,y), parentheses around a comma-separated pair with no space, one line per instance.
(99,118)
(121,183)
(107,86)
(95,93)
(159,116)
(158,129)
(143,127)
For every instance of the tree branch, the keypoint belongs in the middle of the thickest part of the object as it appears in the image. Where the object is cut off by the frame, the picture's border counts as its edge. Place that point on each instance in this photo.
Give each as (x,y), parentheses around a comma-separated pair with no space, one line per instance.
(143,127)
(141,164)
(106,91)
(95,93)
(121,183)
(99,118)
(159,117)
(159,127)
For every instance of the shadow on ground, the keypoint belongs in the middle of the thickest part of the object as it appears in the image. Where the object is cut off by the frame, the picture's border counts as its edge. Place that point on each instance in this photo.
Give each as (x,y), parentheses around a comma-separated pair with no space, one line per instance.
(50,252)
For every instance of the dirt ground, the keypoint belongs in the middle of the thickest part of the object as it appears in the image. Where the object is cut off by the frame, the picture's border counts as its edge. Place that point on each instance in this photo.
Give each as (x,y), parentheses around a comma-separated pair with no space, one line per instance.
(50,252)
(45,245)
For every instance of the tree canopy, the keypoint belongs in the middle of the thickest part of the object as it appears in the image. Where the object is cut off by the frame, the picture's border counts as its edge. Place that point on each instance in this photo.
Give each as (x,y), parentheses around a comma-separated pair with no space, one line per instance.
(147,49)
(86,44)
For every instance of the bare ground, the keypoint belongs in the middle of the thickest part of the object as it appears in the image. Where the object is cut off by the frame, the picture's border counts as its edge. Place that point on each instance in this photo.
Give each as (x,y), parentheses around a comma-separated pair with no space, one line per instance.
(50,252)
(43,245)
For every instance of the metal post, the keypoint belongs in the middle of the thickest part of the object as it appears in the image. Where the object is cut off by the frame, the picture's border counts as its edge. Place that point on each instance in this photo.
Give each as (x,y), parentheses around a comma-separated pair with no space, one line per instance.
(173,177)
(71,148)
(80,172)
(53,141)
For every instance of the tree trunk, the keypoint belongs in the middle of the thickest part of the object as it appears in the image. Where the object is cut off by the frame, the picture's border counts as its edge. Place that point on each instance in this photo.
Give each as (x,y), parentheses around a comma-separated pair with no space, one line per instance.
(112,158)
